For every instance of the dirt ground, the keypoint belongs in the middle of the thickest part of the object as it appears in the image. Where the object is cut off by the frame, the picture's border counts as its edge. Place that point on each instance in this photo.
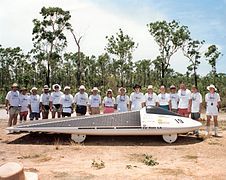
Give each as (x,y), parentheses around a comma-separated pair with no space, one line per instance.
(118,157)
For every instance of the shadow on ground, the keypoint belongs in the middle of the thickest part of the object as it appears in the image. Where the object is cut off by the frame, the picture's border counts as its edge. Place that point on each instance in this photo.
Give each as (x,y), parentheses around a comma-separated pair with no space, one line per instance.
(64,139)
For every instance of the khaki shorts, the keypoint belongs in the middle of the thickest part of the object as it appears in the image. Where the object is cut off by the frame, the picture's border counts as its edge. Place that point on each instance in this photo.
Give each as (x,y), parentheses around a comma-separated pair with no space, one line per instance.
(14,110)
(95,110)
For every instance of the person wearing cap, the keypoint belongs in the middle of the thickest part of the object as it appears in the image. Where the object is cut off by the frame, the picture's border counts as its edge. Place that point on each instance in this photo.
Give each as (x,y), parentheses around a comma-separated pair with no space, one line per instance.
(94,102)
(109,102)
(81,100)
(164,100)
(24,100)
(184,101)
(212,99)
(54,101)
(66,103)
(122,100)
(137,98)
(44,101)
(151,99)
(34,104)
(174,99)
(12,104)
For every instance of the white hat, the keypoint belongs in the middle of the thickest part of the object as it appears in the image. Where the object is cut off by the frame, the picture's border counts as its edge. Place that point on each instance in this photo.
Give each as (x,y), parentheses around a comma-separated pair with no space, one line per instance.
(33,89)
(150,87)
(109,90)
(95,89)
(13,170)
(121,88)
(55,86)
(82,87)
(46,87)
(14,85)
(211,86)
(66,87)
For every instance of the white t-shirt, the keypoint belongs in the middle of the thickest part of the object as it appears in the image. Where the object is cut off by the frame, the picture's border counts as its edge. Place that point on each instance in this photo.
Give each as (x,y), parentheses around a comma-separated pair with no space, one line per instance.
(196,99)
(55,97)
(34,101)
(66,101)
(122,103)
(184,97)
(13,98)
(163,99)
(174,100)
(151,99)
(136,99)
(212,99)
(94,100)
(109,102)
(81,99)
(44,99)
(24,101)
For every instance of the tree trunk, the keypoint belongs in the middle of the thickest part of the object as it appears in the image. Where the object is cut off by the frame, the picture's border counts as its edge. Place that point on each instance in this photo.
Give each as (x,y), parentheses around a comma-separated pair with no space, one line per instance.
(163,74)
(195,76)
(78,76)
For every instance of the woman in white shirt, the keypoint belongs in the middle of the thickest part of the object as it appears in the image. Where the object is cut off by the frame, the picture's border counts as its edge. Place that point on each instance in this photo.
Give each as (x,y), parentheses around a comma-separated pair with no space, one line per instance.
(94,102)
(34,104)
(174,99)
(44,101)
(66,103)
(212,105)
(137,98)
(122,100)
(109,102)
(151,99)
(164,99)
(24,100)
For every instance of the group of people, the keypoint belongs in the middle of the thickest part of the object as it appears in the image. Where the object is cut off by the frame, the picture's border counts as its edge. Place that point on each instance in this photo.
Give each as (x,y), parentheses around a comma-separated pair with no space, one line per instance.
(62,104)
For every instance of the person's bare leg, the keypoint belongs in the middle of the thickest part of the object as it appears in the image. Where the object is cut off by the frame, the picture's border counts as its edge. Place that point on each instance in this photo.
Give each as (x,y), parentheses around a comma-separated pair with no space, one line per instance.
(215,125)
(58,114)
(208,125)
(53,114)
(14,119)
(10,121)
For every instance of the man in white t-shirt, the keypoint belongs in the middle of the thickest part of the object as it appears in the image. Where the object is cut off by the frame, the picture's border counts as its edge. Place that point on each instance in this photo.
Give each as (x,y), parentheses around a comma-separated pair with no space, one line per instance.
(137,98)
(122,100)
(54,101)
(94,102)
(12,104)
(164,99)
(174,99)
(212,100)
(184,101)
(66,103)
(151,99)
(34,104)
(24,101)
(44,101)
(81,100)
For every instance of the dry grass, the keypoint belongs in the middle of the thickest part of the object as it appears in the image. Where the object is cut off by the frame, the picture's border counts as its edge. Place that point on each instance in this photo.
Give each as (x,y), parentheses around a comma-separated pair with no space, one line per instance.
(98,164)
(144,158)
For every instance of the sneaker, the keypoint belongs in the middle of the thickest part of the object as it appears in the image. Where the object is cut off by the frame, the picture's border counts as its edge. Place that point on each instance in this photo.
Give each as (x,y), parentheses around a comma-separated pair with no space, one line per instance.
(207,131)
(216,131)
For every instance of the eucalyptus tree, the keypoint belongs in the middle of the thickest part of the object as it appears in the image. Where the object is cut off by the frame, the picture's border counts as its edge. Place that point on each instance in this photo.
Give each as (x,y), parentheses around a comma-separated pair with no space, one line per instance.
(212,55)
(121,46)
(48,36)
(170,36)
(191,50)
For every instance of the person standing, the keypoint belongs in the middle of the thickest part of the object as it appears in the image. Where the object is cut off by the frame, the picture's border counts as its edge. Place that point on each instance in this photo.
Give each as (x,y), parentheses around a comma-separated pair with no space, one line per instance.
(109,102)
(212,99)
(151,99)
(137,98)
(122,100)
(44,101)
(164,101)
(81,100)
(12,104)
(174,99)
(94,102)
(55,101)
(34,104)
(66,103)
(24,101)
(184,101)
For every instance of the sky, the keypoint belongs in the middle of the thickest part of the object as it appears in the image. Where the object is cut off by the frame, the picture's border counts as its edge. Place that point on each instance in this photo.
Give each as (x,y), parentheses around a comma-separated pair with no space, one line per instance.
(96,19)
